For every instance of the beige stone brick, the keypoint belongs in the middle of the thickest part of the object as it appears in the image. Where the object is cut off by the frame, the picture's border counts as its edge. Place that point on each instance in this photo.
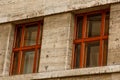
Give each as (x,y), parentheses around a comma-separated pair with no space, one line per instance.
(114,37)
(55,42)
(24,9)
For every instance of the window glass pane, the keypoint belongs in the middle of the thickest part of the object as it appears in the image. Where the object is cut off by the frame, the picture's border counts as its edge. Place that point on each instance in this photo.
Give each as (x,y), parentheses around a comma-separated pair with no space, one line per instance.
(27,62)
(93,25)
(30,35)
(105,49)
(18,36)
(107,23)
(92,54)
(77,56)
(15,63)
(79,26)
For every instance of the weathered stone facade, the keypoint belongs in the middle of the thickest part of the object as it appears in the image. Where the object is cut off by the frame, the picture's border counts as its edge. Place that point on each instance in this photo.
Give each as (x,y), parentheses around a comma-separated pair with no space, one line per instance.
(55,42)
(57,38)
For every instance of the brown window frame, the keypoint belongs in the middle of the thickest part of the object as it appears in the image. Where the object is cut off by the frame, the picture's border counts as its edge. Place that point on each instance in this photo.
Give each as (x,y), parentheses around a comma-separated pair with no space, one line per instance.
(84,39)
(22,47)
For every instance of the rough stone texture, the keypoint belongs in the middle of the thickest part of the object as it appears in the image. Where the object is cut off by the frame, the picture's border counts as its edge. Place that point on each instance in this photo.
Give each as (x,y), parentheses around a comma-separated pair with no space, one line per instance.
(116,76)
(9,47)
(5,48)
(56,51)
(24,9)
(96,73)
(114,36)
(55,42)
(89,77)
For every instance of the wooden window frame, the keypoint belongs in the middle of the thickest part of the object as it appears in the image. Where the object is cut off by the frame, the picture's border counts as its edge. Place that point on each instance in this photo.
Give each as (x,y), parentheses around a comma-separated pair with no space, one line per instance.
(22,47)
(84,39)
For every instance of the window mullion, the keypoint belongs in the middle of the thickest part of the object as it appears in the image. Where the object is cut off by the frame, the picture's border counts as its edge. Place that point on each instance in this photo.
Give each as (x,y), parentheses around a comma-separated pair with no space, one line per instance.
(22,37)
(38,34)
(103,24)
(101,40)
(84,27)
(101,53)
(19,62)
(21,53)
(36,50)
(82,50)
(82,55)
(35,60)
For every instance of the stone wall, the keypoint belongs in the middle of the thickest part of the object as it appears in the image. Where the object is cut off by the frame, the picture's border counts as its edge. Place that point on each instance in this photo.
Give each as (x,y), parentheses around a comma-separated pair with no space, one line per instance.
(56,50)
(25,9)
(6,39)
(114,36)
(96,73)
(89,77)
(55,42)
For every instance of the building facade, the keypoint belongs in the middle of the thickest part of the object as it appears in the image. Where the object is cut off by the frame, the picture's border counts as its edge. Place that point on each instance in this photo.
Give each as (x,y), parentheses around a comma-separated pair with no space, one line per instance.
(59,40)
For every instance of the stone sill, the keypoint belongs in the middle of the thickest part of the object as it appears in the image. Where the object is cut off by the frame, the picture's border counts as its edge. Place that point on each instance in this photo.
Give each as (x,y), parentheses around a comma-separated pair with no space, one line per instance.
(66,73)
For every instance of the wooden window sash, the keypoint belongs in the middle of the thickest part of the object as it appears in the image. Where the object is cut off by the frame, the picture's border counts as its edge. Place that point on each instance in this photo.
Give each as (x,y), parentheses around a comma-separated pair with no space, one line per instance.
(36,49)
(83,40)
(22,48)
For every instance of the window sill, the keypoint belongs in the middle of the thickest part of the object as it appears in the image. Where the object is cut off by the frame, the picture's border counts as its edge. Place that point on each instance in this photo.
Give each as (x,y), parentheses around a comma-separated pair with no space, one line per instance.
(68,73)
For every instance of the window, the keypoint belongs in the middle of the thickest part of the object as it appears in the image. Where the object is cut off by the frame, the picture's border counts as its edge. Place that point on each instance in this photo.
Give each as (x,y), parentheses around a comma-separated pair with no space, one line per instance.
(26,48)
(90,39)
